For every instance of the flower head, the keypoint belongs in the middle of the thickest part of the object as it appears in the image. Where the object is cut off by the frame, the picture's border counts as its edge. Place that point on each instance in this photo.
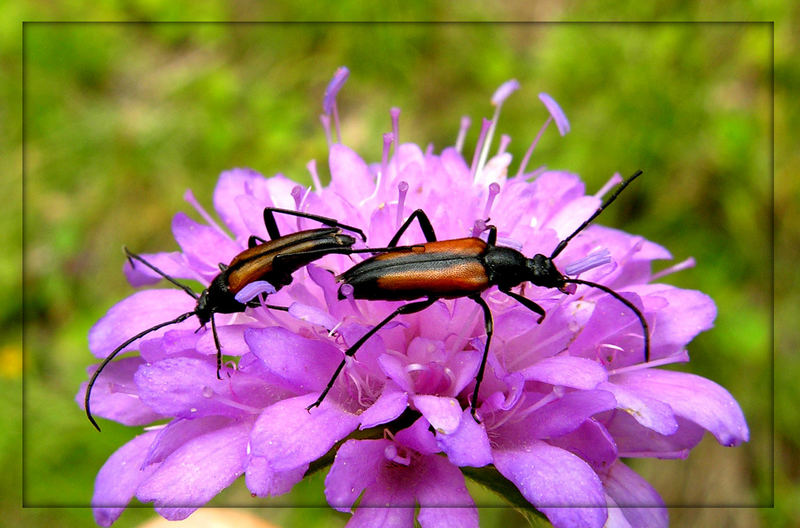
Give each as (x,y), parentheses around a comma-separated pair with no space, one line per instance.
(561,402)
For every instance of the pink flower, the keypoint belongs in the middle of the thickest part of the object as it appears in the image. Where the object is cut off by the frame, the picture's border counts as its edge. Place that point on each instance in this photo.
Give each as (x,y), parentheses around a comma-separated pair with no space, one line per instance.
(561,402)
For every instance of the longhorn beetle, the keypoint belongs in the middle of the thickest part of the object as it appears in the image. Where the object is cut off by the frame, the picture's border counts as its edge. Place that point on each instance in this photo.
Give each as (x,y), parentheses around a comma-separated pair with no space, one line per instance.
(272,260)
(462,267)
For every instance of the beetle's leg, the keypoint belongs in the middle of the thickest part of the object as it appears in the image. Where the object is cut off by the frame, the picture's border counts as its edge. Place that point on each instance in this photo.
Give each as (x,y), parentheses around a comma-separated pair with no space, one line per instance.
(424,224)
(405,309)
(255,303)
(492,238)
(133,256)
(216,343)
(527,303)
(253,241)
(489,325)
(341,251)
(272,226)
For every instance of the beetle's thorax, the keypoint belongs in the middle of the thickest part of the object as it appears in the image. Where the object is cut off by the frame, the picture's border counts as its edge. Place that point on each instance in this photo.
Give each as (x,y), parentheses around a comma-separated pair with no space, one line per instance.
(505,267)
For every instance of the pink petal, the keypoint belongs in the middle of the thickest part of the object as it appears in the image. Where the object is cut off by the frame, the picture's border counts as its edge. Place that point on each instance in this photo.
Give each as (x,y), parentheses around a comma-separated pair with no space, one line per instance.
(136,313)
(119,477)
(232,184)
(443,413)
(567,371)
(468,445)
(443,497)
(263,481)
(180,431)
(565,414)
(592,442)
(306,364)
(350,176)
(355,467)
(649,412)
(693,397)
(681,317)
(203,246)
(114,395)
(172,264)
(418,437)
(640,502)
(556,482)
(189,388)
(287,435)
(374,513)
(389,405)
(195,473)
(635,440)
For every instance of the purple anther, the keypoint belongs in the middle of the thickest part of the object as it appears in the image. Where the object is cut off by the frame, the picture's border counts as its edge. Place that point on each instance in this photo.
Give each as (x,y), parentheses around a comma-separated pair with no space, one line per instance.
(590,261)
(252,290)
(556,112)
(505,89)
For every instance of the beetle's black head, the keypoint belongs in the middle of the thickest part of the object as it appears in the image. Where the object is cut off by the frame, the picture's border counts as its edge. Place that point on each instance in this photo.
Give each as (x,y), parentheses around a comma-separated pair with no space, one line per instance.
(542,272)
(204,309)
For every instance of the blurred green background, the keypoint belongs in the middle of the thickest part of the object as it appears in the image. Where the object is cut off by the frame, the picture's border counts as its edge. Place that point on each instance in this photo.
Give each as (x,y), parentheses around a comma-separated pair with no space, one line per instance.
(120,119)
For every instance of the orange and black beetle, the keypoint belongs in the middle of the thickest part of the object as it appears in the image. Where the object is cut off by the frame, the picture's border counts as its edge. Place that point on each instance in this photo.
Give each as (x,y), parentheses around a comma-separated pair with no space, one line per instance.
(463,267)
(272,261)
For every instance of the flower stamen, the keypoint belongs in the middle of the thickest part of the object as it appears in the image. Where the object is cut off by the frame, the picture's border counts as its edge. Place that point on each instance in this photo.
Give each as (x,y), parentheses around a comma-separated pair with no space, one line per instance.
(462,133)
(189,197)
(402,190)
(529,152)
(346,291)
(608,358)
(478,227)
(251,290)
(485,126)
(312,169)
(326,125)
(393,455)
(394,112)
(551,396)
(505,139)
(388,139)
(593,260)
(500,95)
(329,100)
(494,190)
(680,266)
(612,182)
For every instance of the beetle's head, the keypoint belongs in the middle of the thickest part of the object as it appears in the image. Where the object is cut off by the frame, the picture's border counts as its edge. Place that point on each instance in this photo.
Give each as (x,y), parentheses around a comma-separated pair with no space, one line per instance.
(542,272)
(203,309)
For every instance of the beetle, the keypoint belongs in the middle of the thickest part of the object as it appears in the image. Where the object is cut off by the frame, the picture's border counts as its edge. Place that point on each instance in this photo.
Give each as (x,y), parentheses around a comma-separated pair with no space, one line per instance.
(463,267)
(272,260)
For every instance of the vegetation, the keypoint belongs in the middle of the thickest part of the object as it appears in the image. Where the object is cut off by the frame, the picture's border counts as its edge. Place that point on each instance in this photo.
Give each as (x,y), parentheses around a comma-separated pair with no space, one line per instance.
(120,119)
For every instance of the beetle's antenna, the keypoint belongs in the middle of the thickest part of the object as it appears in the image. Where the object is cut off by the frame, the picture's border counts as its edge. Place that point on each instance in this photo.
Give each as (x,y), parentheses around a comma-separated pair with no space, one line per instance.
(185,288)
(627,303)
(561,245)
(114,353)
